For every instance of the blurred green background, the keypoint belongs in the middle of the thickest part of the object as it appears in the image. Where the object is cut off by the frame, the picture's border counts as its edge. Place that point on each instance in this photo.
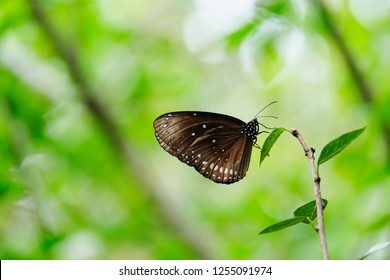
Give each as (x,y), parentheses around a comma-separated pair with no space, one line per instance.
(81,81)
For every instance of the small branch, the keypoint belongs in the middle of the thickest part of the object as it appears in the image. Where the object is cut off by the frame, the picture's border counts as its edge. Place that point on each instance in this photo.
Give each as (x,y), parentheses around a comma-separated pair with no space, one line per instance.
(309,152)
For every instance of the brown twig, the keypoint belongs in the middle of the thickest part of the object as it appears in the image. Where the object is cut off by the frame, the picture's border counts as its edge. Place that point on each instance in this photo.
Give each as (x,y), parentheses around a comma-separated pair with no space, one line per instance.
(109,128)
(309,152)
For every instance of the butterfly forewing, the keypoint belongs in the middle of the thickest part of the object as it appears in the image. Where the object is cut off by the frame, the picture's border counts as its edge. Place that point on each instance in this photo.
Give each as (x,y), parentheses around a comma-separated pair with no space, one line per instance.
(214,144)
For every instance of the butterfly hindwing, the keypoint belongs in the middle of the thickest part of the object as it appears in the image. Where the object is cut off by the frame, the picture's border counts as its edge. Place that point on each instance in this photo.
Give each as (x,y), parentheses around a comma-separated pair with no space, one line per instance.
(226,164)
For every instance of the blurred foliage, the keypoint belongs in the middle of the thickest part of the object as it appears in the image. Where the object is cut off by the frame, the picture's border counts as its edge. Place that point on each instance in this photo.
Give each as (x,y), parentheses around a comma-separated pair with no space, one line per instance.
(66,191)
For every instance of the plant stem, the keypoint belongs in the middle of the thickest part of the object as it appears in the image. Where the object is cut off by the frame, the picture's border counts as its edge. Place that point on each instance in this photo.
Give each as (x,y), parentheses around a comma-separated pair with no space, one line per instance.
(309,152)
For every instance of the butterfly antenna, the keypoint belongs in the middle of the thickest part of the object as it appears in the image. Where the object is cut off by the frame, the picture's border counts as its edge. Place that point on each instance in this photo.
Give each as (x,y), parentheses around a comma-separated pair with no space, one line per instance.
(264,109)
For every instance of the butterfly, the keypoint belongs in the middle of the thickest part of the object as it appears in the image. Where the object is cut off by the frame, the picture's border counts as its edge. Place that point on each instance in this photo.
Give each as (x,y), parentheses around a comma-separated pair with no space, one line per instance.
(218,146)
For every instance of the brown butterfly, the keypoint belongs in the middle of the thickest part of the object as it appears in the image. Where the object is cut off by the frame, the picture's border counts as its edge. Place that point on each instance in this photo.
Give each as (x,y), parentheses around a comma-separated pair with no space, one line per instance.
(218,146)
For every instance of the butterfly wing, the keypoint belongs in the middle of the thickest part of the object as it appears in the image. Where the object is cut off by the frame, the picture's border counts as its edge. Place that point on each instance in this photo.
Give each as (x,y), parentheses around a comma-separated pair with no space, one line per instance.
(212,143)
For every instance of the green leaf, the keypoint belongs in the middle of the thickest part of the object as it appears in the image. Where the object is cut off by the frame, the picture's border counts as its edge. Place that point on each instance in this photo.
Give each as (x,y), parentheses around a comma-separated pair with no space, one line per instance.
(269,142)
(337,145)
(375,248)
(283,224)
(303,214)
(309,210)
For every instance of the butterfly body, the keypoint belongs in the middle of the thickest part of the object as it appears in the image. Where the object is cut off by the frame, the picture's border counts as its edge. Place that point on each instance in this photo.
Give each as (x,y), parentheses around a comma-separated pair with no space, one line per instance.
(218,146)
